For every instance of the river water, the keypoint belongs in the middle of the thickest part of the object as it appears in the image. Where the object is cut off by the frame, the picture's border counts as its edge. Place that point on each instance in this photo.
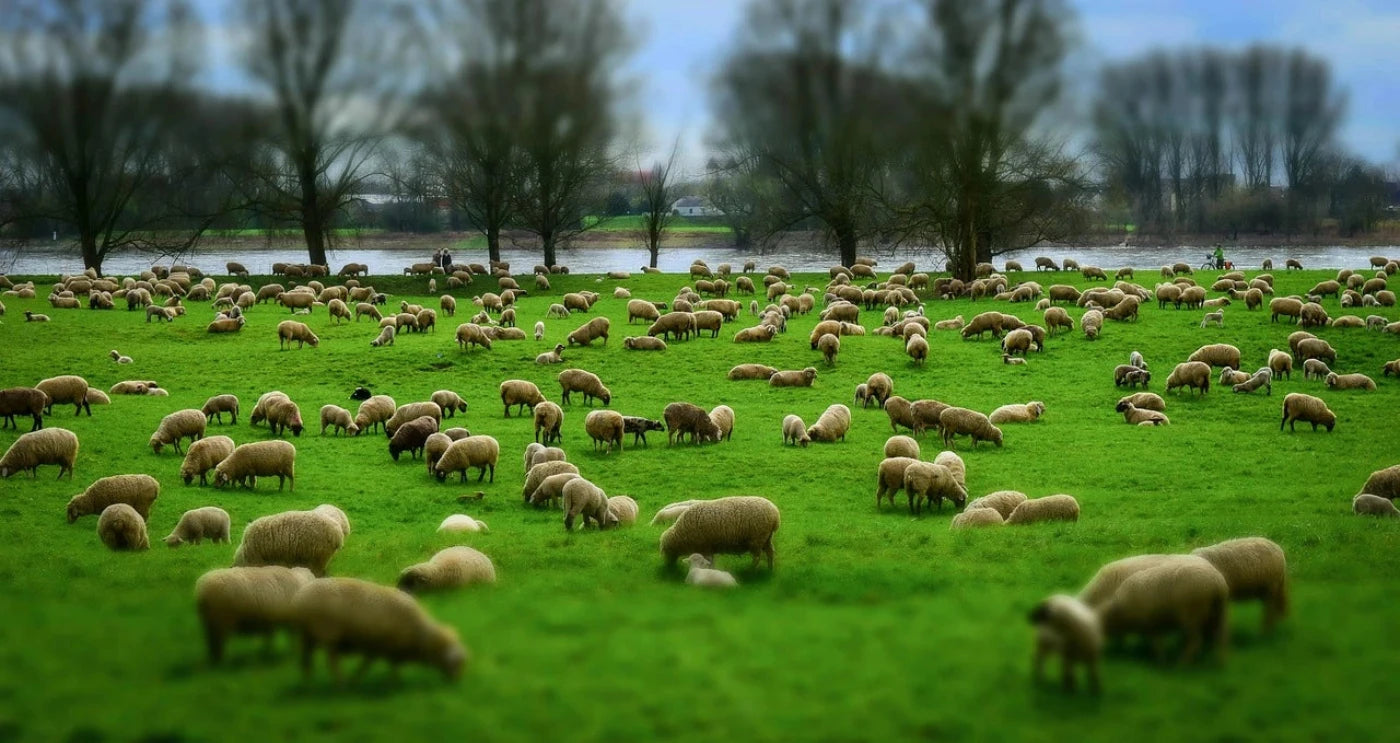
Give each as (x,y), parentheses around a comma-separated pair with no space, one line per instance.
(381,260)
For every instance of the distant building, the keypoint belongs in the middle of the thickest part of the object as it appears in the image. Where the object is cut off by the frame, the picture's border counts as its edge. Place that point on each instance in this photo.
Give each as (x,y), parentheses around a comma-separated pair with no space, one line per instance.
(691,206)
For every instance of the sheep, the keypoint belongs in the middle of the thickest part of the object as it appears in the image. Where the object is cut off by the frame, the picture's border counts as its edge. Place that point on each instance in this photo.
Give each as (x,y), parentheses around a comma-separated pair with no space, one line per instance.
(723,418)
(462,523)
(735,524)
(46,446)
(955,323)
(1049,508)
(584,499)
(1315,369)
(591,331)
(1186,594)
(1003,502)
(640,308)
(1217,354)
(339,418)
(1145,401)
(541,471)
(120,528)
(250,461)
(1136,416)
(281,414)
(480,452)
(1191,374)
(1366,504)
(548,418)
(412,436)
(793,378)
(1384,483)
(1217,317)
(350,615)
(1316,348)
(898,446)
(1300,407)
(252,600)
(450,402)
(374,412)
(1280,364)
(1261,378)
(551,490)
(643,343)
(675,324)
(1027,413)
(1254,568)
(204,455)
(1092,324)
(1127,375)
(751,371)
(833,424)
(554,356)
(683,417)
(982,323)
(28,401)
(975,517)
(605,427)
(1337,381)
(1106,581)
(795,431)
(453,567)
(176,426)
(571,380)
(889,479)
(520,394)
(956,421)
(216,406)
(198,524)
(67,388)
(97,397)
(118,357)
(672,511)
(702,573)
(291,330)
(932,482)
(1066,627)
(622,510)
(306,539)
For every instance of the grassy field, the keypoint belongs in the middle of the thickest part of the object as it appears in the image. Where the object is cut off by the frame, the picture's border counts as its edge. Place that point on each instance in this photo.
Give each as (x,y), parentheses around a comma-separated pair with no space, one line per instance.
(875,625)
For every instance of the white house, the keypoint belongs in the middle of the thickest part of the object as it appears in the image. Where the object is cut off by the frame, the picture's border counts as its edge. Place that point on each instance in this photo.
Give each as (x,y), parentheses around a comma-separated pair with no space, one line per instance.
(691,206)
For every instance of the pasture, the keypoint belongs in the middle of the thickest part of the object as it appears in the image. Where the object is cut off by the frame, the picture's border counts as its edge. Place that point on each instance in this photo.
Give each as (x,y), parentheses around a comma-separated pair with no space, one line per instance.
(875,624)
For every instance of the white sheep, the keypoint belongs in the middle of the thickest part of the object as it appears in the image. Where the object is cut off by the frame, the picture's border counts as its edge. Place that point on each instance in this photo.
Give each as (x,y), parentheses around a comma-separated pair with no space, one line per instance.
(255,600)
(138,491)
(120,527)
(453,567)
(734,524)
(198,524)
(258,459)
(795,431)
(1254,568)
(1049,508)
(702,573)
(1067,627)
(584,499)
(462,523)
(480,452)
(306,539)
(204,455)
(46,446)
(671,511)
(1004,502)
(975,517)
(1187,595)
(187,423)
(1027,413)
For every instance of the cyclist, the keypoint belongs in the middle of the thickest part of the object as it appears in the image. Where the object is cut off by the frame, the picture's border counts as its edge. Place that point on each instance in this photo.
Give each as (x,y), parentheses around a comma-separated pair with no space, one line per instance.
(1219,257)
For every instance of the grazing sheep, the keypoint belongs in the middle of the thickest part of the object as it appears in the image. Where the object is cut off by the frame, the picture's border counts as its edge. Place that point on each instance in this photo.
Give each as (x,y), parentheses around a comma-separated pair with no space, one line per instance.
(350,615)
(1049,508)
(46,446)
(176,426)
(932,482)
(480,452)
(898,446)
(1127,375)
(793,378)
(1136,416)
(1315,369)
(1027,413)
(198,524)
(254,600)
(453,567)
(1384,483)
(889,479)
(1004,502)
(1300,407)
(542,471)
(643,343)
(1217,354)
(412,436)
(676,324)
(1261,378)
(1106,581)
(450,402)
(121,528)
(752,371)
(1254,568)
(1280,364)
(829,345)
(683,417)
(216,406)
(1186,594)
(138,492)
(703,574)
(584,499)
(832,426)
(955,421)
(590,331)
(204,455)
(339,418)
(520,394)
(67,388)
(1316,348)
(723,418)
(374,412)
(975,517)
(462,523)
(291,330)
(548,419)
(1066,627)
(1191,374)
(731,525)
(982,323)
(1092,324)
(1337,381)
(258,459)
(672,511)
(795,431)
(622,510)
(639,426)
(572,380)
(605,427)
(1366,504)
(305,539)
(28,401)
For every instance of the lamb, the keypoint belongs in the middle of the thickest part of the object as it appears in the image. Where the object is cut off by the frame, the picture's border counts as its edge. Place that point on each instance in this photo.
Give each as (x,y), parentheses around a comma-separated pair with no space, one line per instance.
(975,517)
(46,446)
(1186,594)
(349,615)
(571,380)
(1366,504)
(955,323)
(1384,483)
(551,490)
(752,371)
(1049,508)
(735,524)
(480,452)
(1106,581)
(1190,374)
(932,482)
(638,427)
(1004,502)
(703,574)
(1300,407)
(281,414)
(1217,354)
(1315,369)
(1130,376)
(643,343)
(204,455)
(622,510)
(539,330)
(795,432)
(254,600)
(258,459)
(216,406)
(1027,413)
(554,356)
(450,402)
(672,511)
(1337,381)
(1254,568)
(685,418)
(833,424)
(386,337)
(793,378)
(586,500)
(462,523)
(549,419)
(520,394)
(453,567)
(374,412)
(956,421)
(28,401)
(723,418)
(118,357)
(591,331)
(198,524)
(120,527)
(1261,378)
(339,418)
(898,446)
(1136,416)
(605,427)
(412,436)
(129,387)
(1066,627)
(542,471)
(1217,317)
(176,426)
(307,539)
(67,388)
(291,330)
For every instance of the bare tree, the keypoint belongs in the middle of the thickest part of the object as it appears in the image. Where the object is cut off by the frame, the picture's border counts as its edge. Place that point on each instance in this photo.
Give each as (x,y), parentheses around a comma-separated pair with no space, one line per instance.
(1256,119)
(92,112)
(335,74)
(733,189)
(658,192)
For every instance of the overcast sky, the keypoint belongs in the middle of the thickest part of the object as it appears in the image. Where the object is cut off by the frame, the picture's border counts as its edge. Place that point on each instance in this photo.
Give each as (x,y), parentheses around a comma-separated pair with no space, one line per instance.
(681,40)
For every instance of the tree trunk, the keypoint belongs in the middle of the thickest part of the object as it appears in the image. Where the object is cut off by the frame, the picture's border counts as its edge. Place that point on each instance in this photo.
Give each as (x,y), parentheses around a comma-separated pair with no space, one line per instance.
(846,239)
(493,243)
(91,258)
(742,239)
(311,225)
(653,249)
(547,242)
(315,242)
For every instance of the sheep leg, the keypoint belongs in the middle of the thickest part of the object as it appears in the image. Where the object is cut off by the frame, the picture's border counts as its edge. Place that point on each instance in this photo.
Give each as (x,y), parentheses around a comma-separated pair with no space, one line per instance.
(308,649)
(333,663)
(1191,646)
(1066,673)
(214,641)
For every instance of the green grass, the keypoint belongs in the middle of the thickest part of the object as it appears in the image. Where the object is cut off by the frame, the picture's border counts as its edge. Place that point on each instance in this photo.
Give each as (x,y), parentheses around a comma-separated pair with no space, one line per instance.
(874,626)
(265,232)
(633,223)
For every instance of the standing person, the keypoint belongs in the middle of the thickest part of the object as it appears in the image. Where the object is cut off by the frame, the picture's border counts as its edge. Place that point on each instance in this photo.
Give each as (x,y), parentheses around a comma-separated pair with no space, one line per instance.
(446,261)
(1219,257)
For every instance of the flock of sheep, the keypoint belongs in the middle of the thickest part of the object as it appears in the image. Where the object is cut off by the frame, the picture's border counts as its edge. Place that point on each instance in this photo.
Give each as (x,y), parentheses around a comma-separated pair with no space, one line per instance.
(278,576)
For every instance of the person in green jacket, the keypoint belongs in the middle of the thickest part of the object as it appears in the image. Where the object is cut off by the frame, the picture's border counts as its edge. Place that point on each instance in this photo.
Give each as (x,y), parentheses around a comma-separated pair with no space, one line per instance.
(1219,257)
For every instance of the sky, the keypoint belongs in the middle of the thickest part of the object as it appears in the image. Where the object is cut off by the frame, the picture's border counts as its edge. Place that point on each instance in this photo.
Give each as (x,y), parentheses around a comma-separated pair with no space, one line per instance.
(681,41)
